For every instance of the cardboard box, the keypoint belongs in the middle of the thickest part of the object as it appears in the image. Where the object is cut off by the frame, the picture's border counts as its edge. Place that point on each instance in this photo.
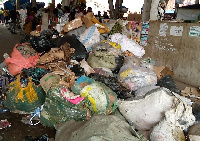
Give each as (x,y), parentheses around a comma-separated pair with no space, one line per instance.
(135,17)
(162,71)
(88,23)
(192,93)
(76,23)
(87,19)
(48,80)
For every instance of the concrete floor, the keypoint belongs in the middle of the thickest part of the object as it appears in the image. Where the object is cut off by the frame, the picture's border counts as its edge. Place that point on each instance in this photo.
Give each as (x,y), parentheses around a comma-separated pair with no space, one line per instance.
(7,41)
(18,130)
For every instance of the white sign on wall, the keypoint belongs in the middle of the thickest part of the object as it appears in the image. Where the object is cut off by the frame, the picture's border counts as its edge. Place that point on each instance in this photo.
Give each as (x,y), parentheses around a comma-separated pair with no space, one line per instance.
(163,29)
(176,31)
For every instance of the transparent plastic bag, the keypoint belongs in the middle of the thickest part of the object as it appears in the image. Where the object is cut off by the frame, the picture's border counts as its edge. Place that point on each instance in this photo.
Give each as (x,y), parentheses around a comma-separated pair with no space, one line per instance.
(128,44)
(101,99)
(105,56)
(135,77)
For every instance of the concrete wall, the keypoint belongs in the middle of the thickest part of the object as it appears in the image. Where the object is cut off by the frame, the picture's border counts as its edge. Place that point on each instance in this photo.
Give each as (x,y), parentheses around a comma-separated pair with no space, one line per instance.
(180,53)
(188,14)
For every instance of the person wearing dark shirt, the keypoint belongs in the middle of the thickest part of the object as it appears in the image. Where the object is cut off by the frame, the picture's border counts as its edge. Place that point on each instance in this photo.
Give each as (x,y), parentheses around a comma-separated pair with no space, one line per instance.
(13,16)
(105,16)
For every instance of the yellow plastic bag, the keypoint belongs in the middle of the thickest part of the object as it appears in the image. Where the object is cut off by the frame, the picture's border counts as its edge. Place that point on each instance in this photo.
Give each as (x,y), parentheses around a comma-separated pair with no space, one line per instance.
(113,44)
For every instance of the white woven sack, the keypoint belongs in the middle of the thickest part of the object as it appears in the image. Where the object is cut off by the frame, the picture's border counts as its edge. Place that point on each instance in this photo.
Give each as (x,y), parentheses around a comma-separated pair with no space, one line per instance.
(89,37)
(145,113)
(194,138)
(176,120)
(128,44)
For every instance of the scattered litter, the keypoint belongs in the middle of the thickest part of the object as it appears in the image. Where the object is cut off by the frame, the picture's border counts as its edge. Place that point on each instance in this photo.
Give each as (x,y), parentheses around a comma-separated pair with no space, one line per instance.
(4,124)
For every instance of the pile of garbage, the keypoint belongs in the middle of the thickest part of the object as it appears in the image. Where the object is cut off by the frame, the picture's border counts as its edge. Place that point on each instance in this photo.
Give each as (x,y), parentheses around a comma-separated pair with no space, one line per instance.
(97,83)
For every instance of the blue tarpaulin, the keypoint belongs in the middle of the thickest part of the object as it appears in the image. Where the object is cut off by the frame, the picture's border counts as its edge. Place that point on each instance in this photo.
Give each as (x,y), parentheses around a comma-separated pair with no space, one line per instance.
(10,3)
(24,3)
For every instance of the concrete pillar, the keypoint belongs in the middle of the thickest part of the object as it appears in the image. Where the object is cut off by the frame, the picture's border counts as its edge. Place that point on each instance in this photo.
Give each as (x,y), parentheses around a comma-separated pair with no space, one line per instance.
(146,10)
(33,2)
(154,10)
(17,4)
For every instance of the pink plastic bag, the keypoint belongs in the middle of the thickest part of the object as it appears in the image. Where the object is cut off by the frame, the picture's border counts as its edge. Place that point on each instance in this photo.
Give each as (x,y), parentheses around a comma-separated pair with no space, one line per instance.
(16,62)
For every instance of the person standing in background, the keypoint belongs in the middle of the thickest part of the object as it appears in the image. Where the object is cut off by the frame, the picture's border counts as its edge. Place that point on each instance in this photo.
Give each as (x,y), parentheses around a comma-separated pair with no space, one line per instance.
(60,10)
(89,9)
(105,15)
(6,16)
(1,15)
(67,13)
(13,16)
(28,23)
(78,13)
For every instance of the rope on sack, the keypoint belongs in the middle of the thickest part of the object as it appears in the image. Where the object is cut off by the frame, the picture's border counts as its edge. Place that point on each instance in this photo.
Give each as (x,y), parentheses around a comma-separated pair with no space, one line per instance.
(36,113)
(62,69)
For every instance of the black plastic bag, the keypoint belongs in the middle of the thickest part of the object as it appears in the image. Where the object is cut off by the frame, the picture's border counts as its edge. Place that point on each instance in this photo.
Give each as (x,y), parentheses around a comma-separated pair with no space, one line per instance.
(169,83)
(119,63)
(196,110)
(80,51)
(79,71)
(44,42)
(26,39)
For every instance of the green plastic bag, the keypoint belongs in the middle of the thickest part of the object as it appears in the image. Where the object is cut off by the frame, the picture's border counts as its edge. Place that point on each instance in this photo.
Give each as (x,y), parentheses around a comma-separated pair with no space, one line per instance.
(57,109)
(25,99)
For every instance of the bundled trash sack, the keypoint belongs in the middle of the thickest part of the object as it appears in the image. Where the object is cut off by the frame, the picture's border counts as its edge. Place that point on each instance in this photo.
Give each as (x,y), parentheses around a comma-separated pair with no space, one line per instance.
(101,99)
(168,83)
(89,37)
(145,113)
(111,82)
(134,77)
(105,56)
(24,95)
(62,105)
(128,44)
(80,51)
(23,56)
(99,127)
(177,120)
